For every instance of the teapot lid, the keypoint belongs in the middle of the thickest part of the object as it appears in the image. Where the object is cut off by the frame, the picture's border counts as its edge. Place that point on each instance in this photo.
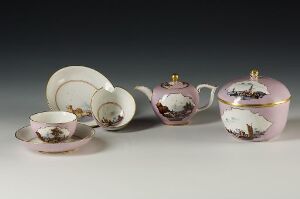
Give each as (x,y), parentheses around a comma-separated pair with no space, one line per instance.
(254,91)
(175,83)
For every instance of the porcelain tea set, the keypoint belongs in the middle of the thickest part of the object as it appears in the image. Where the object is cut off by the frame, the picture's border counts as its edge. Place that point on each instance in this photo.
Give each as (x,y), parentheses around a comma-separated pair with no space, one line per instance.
(252,108)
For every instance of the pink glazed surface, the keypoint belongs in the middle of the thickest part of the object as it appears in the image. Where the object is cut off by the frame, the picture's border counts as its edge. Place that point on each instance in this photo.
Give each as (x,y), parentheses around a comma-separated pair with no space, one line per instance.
(58,147)
(71,126)
(82,136)
(277,90)
(159,92)
(277,115)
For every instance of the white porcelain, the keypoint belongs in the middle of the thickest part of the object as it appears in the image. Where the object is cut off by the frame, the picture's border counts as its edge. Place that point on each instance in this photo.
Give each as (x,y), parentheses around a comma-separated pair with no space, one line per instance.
(82,136)
(53,126)
(71,89)
(113,110)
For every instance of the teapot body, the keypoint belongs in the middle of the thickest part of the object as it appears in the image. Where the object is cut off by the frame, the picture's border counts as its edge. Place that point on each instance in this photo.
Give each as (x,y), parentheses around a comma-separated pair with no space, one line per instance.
(175,106)
(176,102)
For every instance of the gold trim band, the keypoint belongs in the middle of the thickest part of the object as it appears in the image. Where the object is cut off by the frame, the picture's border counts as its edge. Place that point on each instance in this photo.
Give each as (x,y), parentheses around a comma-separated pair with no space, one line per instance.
(255,105)
(67,82)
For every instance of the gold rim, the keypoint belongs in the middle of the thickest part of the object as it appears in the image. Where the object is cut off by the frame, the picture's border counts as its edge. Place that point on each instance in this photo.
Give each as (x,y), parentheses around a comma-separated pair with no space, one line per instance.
(52,112)
(92,130)
(116,104)
(71,81)
(59,152)
(116,127)
(255,105)
(63,68)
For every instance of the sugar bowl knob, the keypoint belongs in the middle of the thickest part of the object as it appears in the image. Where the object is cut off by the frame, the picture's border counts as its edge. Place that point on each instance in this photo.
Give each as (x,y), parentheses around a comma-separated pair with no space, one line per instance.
(175,77)
(254,74)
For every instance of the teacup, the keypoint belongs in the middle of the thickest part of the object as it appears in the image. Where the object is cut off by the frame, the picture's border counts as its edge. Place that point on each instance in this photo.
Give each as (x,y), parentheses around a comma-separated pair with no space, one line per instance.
(113,110)
(53,126)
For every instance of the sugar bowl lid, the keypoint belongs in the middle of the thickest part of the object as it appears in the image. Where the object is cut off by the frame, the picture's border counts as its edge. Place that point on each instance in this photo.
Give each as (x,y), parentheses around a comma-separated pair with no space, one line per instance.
(175,83)
(254,91)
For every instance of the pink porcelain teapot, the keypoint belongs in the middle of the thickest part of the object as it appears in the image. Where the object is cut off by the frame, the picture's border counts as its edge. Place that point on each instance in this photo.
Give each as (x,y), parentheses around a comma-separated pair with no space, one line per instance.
(176,102)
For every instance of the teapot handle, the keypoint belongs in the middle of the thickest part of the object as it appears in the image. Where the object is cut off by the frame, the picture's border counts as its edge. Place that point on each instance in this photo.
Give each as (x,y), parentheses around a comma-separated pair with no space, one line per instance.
(212,94)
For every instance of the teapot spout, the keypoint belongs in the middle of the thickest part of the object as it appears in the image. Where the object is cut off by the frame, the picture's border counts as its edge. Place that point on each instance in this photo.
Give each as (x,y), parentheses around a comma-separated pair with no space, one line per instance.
(145,90)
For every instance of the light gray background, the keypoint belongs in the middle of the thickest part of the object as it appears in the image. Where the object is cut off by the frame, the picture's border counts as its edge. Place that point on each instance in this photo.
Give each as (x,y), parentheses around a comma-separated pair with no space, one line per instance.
(143,45)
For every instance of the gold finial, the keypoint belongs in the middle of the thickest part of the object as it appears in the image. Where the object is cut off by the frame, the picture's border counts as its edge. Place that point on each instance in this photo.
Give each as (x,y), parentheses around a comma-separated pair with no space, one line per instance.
(254,74)
(175,77)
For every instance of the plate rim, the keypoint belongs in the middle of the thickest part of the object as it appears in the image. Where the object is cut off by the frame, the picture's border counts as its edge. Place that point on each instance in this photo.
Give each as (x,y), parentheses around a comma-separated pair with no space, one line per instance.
(68,67)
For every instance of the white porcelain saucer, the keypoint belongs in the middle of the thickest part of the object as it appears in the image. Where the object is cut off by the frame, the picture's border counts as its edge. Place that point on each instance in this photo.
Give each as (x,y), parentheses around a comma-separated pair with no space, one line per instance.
(71,89)
(82,136)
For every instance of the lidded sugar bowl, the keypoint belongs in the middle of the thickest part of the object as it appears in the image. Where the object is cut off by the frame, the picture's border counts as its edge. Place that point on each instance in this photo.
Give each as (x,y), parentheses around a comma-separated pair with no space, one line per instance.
(254,108)
(176,102)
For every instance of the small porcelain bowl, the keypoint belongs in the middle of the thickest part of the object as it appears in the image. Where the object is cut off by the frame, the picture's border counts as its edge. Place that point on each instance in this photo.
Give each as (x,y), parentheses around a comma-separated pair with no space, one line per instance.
(53,126)
(113,110)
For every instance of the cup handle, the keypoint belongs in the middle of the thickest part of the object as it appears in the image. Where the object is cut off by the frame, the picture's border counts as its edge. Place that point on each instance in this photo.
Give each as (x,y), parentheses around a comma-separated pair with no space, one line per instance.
(212,94)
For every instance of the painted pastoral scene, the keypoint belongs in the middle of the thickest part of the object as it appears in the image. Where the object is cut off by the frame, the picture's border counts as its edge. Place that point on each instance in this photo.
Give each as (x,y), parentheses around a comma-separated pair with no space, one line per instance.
(111,122)
(169,85)
(52,134)
(244,124)
(110,114)
(248,90)
(175,107)
(83,114)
